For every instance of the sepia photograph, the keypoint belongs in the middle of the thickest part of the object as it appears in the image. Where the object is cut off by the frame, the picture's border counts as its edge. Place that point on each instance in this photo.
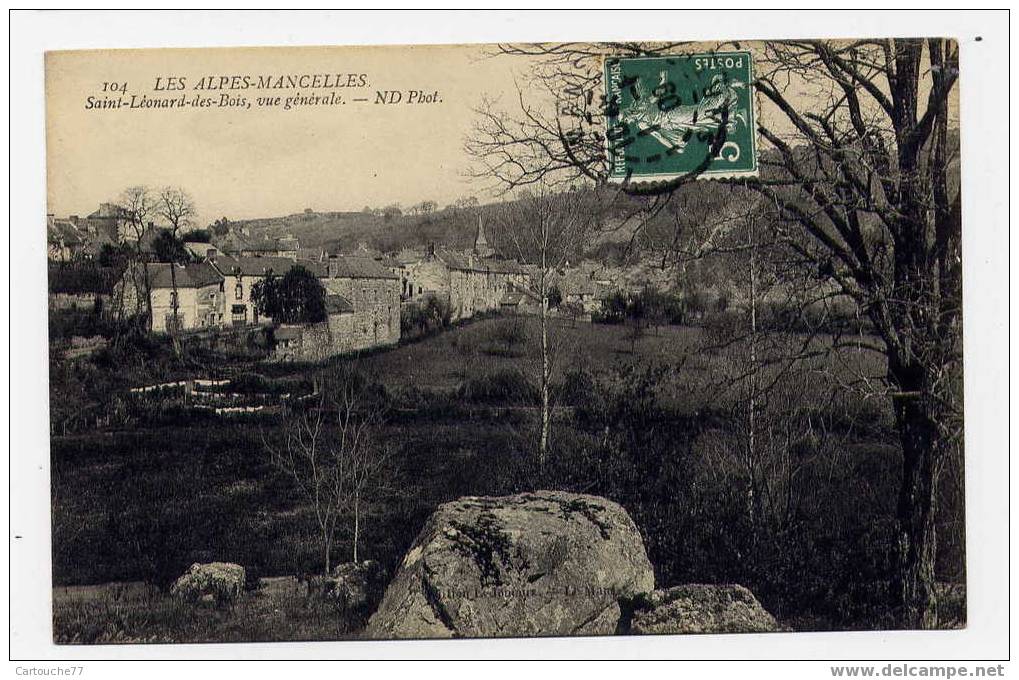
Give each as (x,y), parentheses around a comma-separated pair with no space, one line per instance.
(639,338)
(506,340)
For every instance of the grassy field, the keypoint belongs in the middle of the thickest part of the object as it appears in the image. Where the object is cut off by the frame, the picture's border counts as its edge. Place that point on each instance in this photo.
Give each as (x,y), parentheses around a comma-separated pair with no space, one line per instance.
(647,425)
(134,612)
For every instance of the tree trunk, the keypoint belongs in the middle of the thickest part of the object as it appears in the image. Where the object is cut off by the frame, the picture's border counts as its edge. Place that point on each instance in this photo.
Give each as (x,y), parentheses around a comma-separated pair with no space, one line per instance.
(148,289)
(753,500)
(328,549)
(922,458)
(176,317)
(546,418)
(357,525)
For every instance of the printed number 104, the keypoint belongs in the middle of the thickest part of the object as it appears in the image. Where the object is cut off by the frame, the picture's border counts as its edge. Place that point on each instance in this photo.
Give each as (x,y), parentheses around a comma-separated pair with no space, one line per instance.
(115,87)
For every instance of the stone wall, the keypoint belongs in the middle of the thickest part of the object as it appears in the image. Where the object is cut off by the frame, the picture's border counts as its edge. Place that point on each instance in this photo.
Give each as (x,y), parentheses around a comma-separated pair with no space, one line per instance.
(375,320)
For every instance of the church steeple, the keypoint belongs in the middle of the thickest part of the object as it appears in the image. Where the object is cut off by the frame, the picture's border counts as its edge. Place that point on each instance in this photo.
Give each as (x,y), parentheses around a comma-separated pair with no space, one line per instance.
(481,247)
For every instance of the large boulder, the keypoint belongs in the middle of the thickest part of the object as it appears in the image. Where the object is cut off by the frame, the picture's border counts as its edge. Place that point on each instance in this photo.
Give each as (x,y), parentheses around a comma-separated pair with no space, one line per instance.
(702,609)
(220,582)
(541,563)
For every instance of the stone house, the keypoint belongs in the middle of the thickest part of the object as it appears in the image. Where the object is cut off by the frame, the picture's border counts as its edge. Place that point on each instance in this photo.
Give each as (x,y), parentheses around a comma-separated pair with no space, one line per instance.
(373,295)
(579,287)
(471,284)
(318,341)
(112,221)
(519,300)
(240,274)
(239,243)
(194,291)
(63,241)
(202,250)
(362,301)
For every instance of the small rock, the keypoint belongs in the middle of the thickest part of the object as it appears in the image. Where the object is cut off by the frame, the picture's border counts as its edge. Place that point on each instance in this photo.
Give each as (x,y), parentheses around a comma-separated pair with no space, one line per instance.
(702,609)
(221,582)
(357,586)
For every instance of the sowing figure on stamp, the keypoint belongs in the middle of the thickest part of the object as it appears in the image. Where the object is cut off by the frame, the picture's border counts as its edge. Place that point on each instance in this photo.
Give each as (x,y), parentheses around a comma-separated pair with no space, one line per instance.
(674,126)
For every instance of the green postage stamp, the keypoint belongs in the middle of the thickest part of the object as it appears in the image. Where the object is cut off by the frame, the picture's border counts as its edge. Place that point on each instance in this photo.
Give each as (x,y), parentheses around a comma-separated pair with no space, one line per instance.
(672,116)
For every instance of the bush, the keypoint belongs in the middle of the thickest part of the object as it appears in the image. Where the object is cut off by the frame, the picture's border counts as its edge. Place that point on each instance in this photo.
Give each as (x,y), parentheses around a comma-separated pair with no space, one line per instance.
(252,578)
(82,277)
(613,309)
(580,390)
(423,318)
(501,387)
(506,336)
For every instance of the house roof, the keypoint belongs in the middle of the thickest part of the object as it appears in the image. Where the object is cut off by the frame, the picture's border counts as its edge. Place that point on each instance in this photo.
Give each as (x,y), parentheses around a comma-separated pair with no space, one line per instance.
(518,296)
(409,256)
(353,267)
(94,245)
(249,265)
(310,254)
(337,304)
(109,211)
(452,259)
(195,275)
(235,242)
(503,266)
(464,262)
(63,230)
(200,248)
(575,282)
(388,261)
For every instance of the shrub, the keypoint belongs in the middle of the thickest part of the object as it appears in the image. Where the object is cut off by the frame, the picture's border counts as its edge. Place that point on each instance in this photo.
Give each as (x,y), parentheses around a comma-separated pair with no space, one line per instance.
(506,336)
(500,387)
(252,578)
(580,390)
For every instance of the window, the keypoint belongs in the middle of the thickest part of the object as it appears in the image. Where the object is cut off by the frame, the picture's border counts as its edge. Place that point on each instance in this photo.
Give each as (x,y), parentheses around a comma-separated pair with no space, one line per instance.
(173,298)
(239,290)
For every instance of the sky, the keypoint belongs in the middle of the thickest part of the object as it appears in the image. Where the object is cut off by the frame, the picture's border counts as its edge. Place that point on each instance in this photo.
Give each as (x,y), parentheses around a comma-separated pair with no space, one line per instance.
(264,161)
(259,162)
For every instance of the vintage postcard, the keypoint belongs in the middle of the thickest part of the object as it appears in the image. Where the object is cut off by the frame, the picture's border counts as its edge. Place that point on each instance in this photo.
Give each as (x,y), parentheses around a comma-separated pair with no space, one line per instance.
(505,340)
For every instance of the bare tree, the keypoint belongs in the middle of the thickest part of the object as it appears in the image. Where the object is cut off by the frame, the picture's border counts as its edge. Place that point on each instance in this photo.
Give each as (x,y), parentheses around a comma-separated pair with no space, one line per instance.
(177,209)
(138,205)
(547,228)
(337,465)
(875,196)
(860,171)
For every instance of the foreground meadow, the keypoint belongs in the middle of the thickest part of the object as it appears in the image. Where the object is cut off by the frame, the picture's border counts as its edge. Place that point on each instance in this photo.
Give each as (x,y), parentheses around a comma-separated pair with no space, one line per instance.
(655,425)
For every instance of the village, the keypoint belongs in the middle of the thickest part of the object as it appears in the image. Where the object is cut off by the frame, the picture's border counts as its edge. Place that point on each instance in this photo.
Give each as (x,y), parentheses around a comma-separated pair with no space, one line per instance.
(366,292)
